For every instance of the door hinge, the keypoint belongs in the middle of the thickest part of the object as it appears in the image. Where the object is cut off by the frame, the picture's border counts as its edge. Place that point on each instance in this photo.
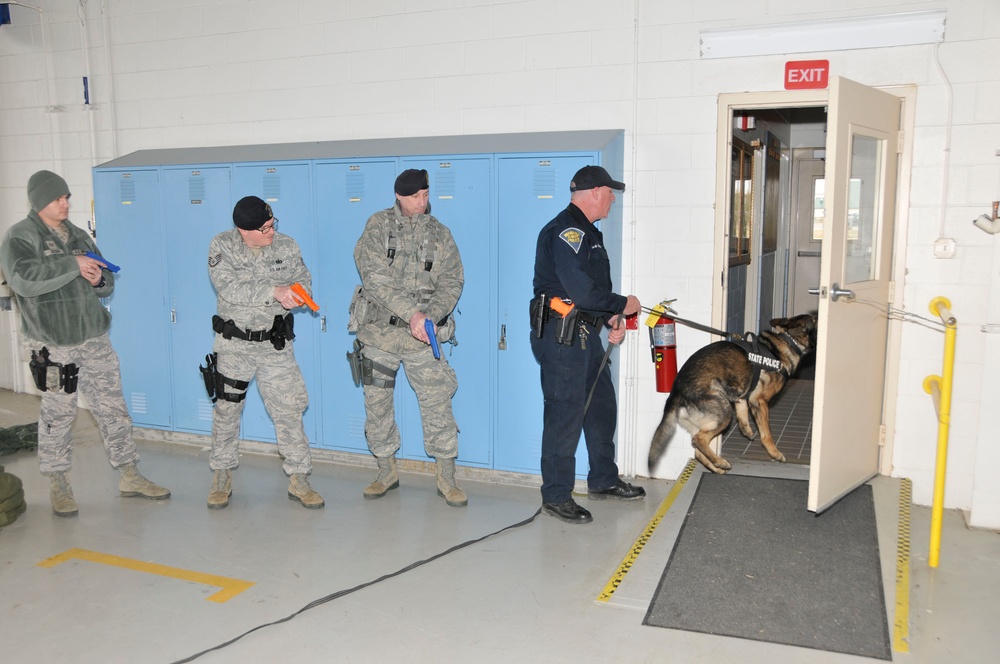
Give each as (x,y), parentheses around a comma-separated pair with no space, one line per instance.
(881,435)
(899,142)
(892,292)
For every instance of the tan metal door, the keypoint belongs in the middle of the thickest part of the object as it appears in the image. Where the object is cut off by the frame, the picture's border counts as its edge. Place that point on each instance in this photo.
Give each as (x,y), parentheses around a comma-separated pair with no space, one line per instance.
(855,287)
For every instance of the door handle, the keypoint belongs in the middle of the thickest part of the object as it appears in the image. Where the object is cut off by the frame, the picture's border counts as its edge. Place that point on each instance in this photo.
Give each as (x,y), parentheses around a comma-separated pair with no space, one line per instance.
(835,293)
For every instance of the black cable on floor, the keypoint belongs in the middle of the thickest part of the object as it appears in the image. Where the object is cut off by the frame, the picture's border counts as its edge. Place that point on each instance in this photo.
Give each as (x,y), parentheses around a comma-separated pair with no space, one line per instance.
(341,593)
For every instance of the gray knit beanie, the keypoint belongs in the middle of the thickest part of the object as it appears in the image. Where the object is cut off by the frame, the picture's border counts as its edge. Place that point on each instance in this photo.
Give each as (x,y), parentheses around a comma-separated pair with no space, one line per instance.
(45,187)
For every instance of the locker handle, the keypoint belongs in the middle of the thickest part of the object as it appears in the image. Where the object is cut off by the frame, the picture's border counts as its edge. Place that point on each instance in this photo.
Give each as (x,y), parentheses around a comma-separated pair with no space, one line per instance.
(173,315)
(322,323)
(502,345)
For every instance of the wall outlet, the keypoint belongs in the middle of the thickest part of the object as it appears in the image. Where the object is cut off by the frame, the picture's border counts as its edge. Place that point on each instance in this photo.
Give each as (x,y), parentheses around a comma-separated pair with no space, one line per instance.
(944,247)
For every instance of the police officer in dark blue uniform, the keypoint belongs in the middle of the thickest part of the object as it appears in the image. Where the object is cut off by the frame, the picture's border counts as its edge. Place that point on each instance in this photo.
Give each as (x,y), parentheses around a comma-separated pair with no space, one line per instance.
(573,300)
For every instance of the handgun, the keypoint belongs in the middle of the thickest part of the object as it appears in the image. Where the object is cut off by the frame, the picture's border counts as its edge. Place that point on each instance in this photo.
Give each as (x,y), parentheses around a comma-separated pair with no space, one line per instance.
(429,326)
(108,264)
(301,292)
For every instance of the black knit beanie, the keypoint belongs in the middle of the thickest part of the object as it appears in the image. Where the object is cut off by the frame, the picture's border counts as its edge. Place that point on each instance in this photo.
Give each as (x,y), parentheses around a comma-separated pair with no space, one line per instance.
(45,187)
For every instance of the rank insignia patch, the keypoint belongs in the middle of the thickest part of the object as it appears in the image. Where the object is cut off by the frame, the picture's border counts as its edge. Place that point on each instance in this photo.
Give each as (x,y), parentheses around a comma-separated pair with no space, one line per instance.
(214,260)
(573,237)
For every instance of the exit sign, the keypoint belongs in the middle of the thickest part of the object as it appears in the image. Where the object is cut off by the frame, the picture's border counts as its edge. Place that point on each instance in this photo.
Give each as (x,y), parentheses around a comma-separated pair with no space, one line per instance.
(807,74)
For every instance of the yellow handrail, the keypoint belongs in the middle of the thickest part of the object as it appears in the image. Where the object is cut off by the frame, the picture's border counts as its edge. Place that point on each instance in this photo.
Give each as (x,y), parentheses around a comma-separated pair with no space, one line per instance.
(939,387)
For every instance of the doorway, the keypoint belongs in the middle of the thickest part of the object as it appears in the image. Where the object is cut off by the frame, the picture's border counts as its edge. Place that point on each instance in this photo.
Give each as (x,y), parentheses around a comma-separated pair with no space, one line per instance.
(776,229)
(863,155)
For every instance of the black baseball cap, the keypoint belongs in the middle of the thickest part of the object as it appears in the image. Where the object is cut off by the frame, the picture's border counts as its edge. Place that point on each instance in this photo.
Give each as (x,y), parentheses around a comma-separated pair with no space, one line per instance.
(591,177)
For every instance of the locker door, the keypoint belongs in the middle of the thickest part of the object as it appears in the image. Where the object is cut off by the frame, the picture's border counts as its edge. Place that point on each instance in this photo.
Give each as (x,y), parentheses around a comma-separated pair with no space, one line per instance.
(347,193)
(287,188)
(460,198)
(127,208)
(532,190)
(195,208)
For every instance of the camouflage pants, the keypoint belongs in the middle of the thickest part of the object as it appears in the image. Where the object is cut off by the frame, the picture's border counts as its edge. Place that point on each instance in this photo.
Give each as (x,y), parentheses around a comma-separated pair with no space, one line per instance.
(435,384)
(101,383)
(283,390)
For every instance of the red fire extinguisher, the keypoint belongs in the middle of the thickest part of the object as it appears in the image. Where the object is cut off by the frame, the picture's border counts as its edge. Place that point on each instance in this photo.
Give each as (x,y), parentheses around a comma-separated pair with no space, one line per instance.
(664,340)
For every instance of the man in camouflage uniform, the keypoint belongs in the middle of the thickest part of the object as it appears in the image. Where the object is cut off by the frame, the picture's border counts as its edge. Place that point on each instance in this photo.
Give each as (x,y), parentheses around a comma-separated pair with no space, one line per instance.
(411,272)
(253,268)
(65,327)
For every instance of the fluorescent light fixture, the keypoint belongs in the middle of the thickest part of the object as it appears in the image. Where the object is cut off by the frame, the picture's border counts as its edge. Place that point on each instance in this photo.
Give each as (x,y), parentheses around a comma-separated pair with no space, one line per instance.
(829,35)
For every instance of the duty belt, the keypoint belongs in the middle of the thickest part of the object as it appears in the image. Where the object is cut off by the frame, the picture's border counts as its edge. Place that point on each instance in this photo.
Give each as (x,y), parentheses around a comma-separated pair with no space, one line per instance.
(228,329)
(399,322)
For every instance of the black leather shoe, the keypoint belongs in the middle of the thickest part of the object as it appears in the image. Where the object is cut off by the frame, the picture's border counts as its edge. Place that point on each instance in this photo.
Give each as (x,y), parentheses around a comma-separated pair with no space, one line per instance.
(569,512)
(621,491)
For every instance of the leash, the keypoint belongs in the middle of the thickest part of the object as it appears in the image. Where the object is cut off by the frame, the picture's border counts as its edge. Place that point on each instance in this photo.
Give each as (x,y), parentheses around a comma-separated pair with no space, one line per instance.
(692,324)
(604,362)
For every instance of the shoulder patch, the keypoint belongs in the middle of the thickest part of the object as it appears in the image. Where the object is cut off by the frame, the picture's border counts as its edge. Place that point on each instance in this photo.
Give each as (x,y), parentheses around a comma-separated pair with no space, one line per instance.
(573,237)
(214,260)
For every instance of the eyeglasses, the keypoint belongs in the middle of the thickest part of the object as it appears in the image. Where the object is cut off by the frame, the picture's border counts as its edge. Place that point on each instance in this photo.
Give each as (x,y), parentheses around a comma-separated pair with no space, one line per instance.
(269,228)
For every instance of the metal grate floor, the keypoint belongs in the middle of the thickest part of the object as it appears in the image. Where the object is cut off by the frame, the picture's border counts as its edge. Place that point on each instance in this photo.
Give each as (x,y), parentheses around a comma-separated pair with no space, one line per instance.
(791,425)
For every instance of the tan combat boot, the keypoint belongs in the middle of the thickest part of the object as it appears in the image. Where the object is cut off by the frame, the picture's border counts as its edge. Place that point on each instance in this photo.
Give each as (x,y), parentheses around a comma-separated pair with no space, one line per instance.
(446,484)
(132,483)
(386,480)
(300,490)
(222,488)
(61,494)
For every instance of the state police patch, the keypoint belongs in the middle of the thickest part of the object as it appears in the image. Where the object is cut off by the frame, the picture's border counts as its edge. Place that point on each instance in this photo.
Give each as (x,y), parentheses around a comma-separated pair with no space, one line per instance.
(573,237)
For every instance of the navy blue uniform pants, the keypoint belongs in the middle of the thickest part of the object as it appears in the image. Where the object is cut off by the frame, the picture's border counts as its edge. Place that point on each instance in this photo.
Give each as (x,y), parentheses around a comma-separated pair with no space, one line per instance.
(568,373)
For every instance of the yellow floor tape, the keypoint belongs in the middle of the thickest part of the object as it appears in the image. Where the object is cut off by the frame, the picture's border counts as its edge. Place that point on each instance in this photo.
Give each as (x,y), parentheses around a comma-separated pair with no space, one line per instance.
(230,587)
(640,542)
(901,629)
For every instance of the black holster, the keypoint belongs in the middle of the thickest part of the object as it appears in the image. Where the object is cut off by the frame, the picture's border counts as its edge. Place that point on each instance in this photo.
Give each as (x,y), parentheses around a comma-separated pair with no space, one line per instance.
(539,314)
(281,330)
(215,382)
(568,326)
(52,375)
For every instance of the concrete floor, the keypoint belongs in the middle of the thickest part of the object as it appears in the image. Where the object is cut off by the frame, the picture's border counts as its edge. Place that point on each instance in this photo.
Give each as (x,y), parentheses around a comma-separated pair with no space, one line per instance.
(527,594)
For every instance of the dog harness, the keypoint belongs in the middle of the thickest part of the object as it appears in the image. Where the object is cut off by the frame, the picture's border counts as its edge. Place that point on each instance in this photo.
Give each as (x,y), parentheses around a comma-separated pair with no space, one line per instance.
(760,353)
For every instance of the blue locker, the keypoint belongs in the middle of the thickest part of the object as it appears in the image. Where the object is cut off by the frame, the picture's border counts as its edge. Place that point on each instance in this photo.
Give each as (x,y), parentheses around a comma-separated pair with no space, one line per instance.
(287,187)
(535,189)
(347,193)
(196,206)
(130,234)
(461,199)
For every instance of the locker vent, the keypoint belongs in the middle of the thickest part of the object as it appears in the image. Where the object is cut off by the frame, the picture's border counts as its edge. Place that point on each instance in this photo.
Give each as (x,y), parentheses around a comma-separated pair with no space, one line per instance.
(272,187)
(126,189)
(138,401)
(355,186)
(356,427)
(196,188)
(444,183)
(544,183)
(204,410)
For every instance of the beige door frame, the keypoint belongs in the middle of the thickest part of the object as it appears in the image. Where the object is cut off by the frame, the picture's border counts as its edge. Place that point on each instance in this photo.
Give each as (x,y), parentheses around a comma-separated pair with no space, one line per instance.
(728,102)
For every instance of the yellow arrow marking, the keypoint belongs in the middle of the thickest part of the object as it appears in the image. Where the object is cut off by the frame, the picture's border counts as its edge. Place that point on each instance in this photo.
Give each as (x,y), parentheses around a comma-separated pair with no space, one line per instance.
(230,587)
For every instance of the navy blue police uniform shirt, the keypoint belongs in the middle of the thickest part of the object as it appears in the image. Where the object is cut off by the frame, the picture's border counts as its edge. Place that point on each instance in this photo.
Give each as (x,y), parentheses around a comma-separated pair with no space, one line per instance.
(572,263)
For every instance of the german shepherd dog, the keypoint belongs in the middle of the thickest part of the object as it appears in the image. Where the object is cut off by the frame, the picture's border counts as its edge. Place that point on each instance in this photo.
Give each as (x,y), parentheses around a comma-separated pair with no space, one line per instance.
(720,376)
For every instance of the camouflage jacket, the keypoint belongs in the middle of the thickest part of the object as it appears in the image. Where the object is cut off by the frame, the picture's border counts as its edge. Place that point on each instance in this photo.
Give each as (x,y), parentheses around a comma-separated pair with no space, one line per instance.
(245,278)
(58,306)
(393,255)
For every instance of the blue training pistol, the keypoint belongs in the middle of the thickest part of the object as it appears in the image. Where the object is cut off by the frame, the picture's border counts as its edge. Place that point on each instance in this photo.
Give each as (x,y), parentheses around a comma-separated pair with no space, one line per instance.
(111,266)
(429,326)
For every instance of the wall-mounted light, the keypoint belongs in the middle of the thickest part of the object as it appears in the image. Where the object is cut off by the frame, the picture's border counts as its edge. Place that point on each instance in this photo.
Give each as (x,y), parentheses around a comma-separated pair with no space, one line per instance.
(830,35)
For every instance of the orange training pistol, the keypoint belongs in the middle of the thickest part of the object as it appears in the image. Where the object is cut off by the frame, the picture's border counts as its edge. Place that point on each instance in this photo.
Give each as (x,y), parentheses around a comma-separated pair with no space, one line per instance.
(301,292)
